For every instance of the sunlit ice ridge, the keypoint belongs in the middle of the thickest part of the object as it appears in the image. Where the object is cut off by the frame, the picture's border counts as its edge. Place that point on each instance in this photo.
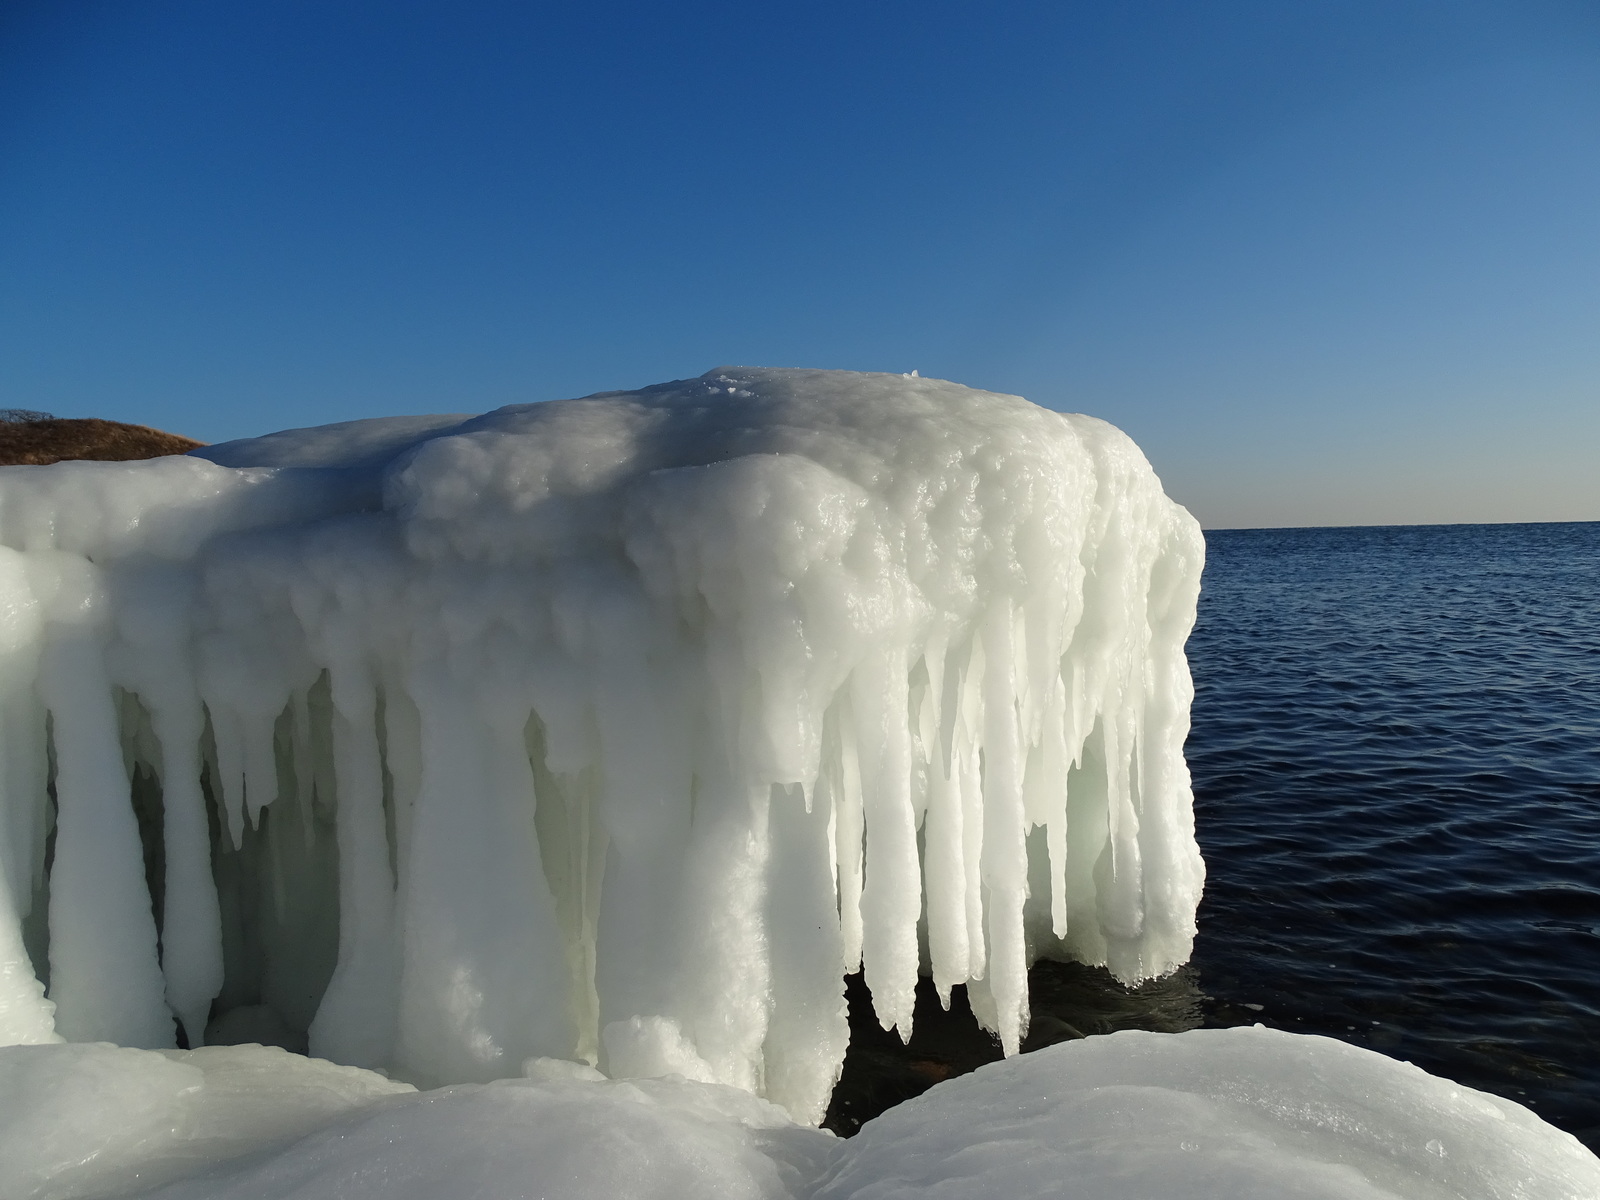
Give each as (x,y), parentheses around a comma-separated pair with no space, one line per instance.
(615,729)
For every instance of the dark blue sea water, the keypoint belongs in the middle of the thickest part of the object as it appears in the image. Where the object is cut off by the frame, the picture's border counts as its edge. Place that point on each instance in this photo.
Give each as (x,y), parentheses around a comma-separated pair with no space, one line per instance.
(1396,760)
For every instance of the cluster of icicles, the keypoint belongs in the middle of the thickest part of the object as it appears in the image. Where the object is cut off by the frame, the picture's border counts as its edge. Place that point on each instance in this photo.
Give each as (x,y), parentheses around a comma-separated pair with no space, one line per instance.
(615,729)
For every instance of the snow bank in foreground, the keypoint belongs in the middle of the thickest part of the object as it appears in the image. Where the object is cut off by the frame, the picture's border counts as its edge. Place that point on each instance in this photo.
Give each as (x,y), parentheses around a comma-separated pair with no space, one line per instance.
(1240,1114)
(1212,1114)
(614,729)
(95,1119)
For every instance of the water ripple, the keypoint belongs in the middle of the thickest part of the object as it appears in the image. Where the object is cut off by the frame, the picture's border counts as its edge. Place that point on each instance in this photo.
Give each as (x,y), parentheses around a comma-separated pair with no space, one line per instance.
(1396,756)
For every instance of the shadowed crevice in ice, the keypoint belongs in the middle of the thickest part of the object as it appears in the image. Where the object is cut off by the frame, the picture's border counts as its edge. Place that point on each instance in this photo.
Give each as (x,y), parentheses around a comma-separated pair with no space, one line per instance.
(1066,1001)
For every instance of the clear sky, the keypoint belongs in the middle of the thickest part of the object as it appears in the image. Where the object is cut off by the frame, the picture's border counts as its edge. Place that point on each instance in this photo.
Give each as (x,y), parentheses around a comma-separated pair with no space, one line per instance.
(1328,261)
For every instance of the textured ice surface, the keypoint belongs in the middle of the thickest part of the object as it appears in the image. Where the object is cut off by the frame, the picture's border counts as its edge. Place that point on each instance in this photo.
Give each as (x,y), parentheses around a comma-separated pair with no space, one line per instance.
(614,729)
(94,1119)
(1212,1114)
(1239,1114)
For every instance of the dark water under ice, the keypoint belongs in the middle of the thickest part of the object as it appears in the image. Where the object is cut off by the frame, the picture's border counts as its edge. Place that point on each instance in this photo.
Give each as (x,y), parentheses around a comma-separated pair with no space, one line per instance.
(1396,760)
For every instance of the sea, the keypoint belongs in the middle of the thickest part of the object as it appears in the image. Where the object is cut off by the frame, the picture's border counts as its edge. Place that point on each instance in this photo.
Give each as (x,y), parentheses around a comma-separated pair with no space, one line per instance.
(1395,748)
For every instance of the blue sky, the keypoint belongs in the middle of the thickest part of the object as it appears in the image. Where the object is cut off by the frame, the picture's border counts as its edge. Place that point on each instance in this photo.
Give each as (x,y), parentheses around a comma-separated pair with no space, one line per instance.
(1329,262)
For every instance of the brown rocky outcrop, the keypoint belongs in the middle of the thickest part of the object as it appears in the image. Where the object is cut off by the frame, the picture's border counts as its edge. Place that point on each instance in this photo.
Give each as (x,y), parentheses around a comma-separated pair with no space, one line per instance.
(36,439)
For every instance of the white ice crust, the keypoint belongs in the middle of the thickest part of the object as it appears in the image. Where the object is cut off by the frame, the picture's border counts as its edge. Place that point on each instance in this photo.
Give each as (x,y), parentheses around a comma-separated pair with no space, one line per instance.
(1237,1114)
(614,729)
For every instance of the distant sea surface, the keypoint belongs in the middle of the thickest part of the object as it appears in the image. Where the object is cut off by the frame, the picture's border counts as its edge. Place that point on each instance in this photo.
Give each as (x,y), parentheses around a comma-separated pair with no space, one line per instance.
(1396,760)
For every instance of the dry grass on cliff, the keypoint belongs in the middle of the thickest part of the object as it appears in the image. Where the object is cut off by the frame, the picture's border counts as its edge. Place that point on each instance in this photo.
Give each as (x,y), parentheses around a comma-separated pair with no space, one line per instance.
(53,439)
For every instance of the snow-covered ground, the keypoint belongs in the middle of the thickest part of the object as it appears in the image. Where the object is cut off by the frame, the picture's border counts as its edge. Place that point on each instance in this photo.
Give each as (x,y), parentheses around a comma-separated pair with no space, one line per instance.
(1236,1114)
(610,734)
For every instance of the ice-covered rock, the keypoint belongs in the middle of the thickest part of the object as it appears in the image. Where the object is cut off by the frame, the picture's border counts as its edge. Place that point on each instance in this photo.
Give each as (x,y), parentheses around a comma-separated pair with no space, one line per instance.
(614,729)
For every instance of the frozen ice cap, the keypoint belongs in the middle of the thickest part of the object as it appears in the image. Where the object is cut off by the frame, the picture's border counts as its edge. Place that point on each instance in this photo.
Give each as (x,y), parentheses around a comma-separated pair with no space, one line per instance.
(345,444)
(614,729)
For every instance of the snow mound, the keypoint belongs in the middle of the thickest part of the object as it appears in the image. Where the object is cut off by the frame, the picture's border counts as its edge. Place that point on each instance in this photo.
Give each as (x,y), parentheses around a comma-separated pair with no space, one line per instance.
(92,1120)
(1212,1114)
(1239,1114)
(614,729)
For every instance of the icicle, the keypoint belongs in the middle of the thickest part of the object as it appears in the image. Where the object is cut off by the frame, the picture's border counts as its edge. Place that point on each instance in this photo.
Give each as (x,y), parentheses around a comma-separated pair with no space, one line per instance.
(104,975)
(22,782)
(726,968)
(967,773)
(842,782)
(356,1020)
(483,985)
(25,1015)
(944,879)
(572,851)
(1004,859)
(1047,799)
(191,928)
(943,851)
(806,1040)
(228,769)
(890,898)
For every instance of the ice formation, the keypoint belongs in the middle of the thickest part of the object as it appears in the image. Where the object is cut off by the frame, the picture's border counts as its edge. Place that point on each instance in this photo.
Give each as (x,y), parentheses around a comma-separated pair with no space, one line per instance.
(614,729)
(1235,1114)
